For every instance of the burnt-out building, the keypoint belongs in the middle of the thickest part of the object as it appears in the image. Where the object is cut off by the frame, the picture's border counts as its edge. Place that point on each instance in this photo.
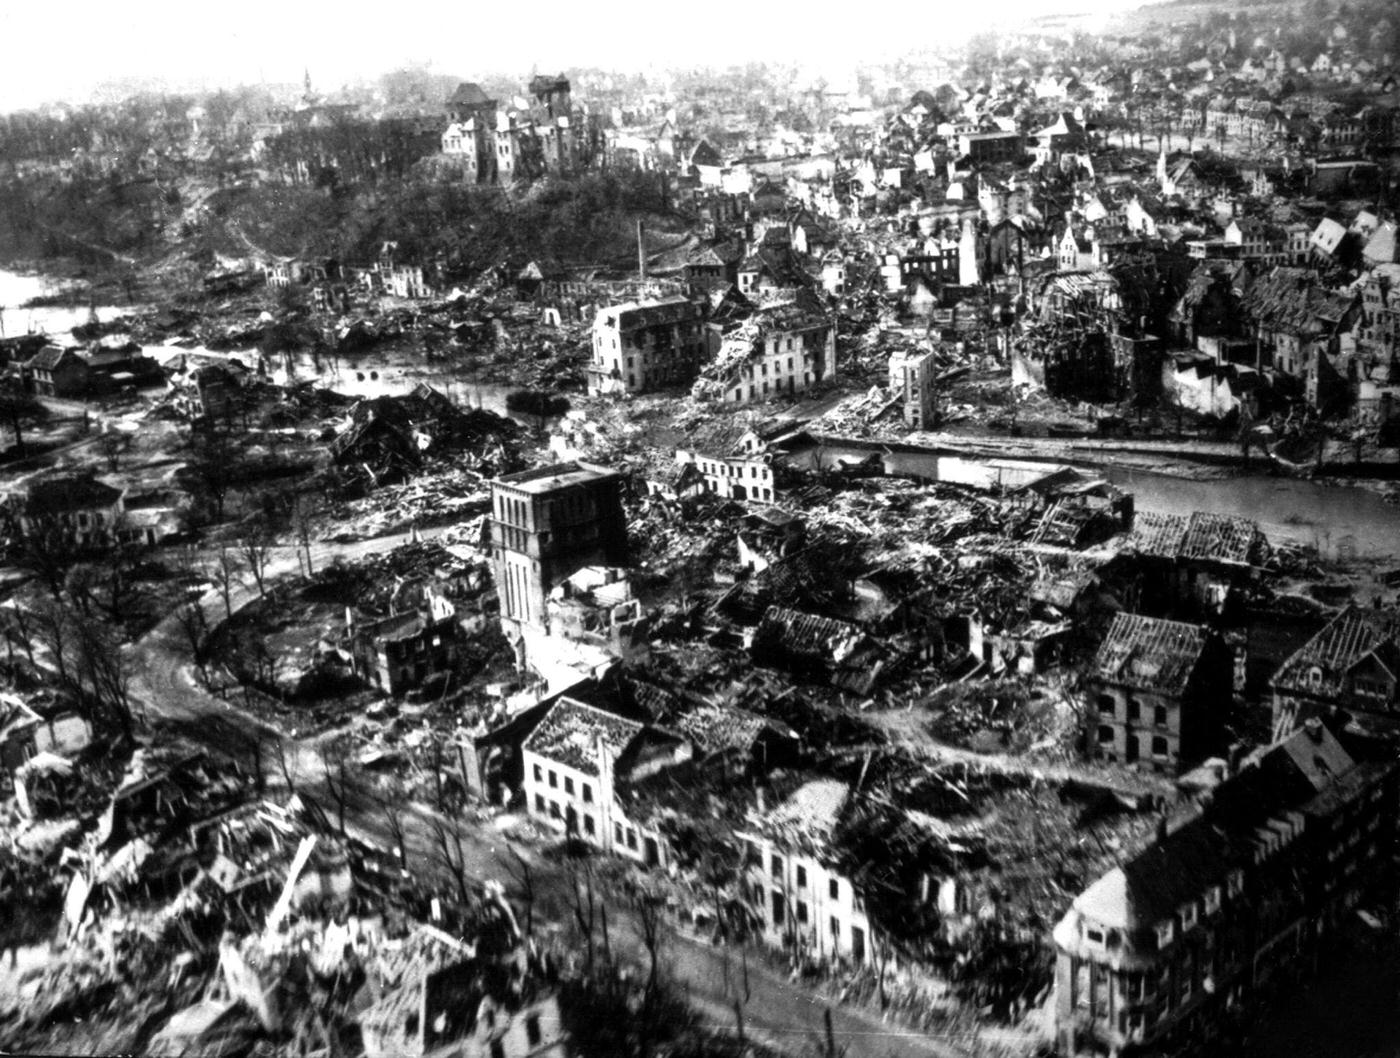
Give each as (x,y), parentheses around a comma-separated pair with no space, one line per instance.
(1198,565)
(548,524)
(1159,692)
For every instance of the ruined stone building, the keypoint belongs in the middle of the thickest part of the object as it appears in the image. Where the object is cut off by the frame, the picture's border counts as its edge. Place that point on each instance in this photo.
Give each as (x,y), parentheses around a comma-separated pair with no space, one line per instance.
(1226,908)
(1352,665)
(546,525)
(805,902)
(646,345)
(785,349)
(1160,690)
(912,374)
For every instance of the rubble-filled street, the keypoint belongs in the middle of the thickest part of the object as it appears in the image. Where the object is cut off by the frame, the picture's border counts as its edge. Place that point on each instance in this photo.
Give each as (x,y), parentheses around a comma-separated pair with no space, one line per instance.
(842,554)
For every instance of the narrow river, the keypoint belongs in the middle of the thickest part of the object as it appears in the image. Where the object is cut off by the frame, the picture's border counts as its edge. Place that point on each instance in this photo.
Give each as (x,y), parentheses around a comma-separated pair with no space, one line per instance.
(1342,521)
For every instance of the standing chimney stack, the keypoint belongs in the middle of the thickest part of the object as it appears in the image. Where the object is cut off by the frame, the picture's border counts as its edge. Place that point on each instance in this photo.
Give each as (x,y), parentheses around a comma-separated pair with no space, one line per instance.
(641,252)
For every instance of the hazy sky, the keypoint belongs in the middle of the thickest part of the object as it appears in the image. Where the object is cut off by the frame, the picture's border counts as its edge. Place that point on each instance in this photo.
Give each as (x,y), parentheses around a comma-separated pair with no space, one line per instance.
(60,51)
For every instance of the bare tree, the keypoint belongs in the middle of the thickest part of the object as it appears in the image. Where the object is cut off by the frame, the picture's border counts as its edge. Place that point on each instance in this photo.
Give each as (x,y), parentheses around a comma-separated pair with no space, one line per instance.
(303,513)
(334,756)
(288,764)
(585,906)
(451,855)
(223,570)
(648,909)
(112,444)
(194,628)
(390,797)
(255,551)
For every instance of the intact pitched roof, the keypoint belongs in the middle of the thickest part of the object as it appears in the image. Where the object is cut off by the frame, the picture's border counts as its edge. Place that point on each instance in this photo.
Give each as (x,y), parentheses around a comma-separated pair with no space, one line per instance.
(1149,653)
(573,733)
(50,357)
(68,492)
(1296,777)
(469,94)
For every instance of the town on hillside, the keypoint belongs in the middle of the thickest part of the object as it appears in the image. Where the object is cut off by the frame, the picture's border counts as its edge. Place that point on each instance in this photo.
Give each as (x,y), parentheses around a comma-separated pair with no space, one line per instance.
(747,562)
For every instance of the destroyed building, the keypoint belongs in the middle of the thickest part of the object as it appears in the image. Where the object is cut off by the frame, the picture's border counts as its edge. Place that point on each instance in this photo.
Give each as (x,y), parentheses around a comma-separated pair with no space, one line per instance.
(76,507)
(781,350)
(1351,668)
(644,346)
(793,879)
(548,524)
(438,999)
(1199,564)
(1227,908)
(1160,690)
(406,650)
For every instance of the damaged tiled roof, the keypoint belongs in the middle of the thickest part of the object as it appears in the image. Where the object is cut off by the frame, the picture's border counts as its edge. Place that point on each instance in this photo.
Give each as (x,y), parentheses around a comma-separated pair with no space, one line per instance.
(1320,665)
(572,732)
(715,727)
(1158,535)
(1292,301)
(1149,653)
(1221,538)
(808,818)
(807,634)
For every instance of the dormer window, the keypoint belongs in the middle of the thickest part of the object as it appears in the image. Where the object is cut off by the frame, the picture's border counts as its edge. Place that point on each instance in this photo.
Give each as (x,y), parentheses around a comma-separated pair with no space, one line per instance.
(1165,931)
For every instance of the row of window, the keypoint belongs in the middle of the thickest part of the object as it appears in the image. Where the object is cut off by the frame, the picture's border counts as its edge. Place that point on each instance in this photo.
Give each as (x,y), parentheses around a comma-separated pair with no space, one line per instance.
(568,783)
(1108,706)
(565,813)
(833,886)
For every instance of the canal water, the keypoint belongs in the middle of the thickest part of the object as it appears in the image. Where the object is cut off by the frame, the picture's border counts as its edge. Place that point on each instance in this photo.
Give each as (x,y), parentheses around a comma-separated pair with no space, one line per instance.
(363,376)
(16,289)
(1342,521)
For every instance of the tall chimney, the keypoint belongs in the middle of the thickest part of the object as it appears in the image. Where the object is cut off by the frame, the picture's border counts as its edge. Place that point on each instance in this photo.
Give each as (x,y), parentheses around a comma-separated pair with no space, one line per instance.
(641,252)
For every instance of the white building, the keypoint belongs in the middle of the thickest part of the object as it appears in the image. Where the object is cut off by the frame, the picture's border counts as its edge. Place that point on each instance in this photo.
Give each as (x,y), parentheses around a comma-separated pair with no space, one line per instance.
(646,345)
(572,761)
(912,380)
(803,901)
(781,350)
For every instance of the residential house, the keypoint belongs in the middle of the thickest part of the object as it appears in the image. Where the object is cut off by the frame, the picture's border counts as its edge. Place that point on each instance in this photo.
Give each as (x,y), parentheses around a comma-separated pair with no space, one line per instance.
(25,733)
(644,346)
(1166,951)
(1351,667)
(57,372)
(990,147)
(77,507)
(792,874)
(575,761)
(1161,690)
